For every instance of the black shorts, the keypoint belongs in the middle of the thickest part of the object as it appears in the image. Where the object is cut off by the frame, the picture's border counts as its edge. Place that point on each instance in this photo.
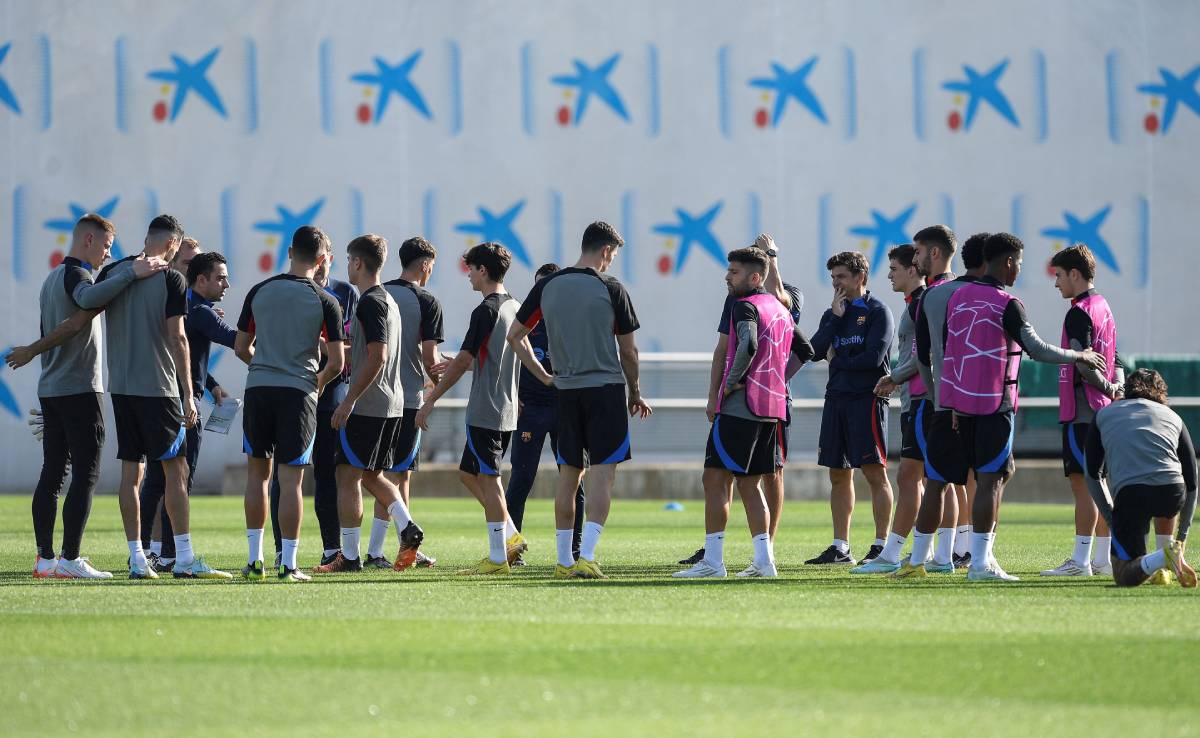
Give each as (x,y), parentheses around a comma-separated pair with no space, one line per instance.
(988,440)
(593,426)
(279,423)
(367,443)
(853,432)
(484,450)
(408,443)
(784,439)
(1133,508)
(742,446)
(1074,441)
(910,438)
(148,428)
(946,458)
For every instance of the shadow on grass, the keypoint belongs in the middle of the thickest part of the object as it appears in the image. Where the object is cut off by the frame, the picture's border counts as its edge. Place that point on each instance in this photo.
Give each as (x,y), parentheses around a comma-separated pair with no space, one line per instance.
(627,576)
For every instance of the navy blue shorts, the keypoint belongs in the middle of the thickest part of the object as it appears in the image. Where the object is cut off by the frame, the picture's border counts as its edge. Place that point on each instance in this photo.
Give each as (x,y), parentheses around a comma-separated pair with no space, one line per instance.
(988,440)
(366,442)
(484,450)
(1134,506)
(743,446)
(408,443)
(911,439)
(853,432)
(1074,441)
(944,448)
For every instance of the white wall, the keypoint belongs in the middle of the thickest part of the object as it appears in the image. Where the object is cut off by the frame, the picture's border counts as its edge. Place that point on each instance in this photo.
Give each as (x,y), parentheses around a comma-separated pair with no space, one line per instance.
(86,135)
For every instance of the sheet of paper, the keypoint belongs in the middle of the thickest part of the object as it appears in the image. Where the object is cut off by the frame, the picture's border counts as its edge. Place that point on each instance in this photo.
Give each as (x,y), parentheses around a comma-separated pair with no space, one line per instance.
(220,420)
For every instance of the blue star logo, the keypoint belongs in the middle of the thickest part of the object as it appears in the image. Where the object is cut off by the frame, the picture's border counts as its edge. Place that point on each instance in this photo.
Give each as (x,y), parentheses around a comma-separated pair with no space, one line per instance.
(593,81)
(498,229)
(693,229)
(1175,89)
(794,85)
(983,88)
(885,231)
(286,225)
(6,94)
(191,77)
(1086,231)
(394,80)
(67,225)
(7,399)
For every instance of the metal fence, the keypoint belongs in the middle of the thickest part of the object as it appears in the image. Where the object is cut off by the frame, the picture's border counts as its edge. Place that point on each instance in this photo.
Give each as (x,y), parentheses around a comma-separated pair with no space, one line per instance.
(676,385)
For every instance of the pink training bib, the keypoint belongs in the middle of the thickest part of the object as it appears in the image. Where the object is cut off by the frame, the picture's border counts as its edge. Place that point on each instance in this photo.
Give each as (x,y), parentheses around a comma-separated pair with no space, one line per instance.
(1104,342)
(766,386)
(980,362)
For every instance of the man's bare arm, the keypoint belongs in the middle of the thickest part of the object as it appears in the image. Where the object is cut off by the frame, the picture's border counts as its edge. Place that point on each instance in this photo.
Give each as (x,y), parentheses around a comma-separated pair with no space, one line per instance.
(715,373)
(430,358)
(524,351)
(629,367)
(177,345)
(243,346)
(774,282)
(335,360)
(63,332)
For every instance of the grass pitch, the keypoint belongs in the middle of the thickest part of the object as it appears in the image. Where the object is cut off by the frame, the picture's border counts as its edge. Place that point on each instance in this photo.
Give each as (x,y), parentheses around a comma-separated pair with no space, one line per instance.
(426,653)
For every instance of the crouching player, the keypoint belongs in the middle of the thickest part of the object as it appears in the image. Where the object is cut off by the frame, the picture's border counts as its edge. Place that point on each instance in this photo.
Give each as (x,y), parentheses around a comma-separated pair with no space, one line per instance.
(1151,465)
(368,419)
(750,409)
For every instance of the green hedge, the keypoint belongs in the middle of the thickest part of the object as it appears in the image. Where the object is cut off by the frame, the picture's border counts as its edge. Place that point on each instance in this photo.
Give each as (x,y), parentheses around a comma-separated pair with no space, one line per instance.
(1181,371)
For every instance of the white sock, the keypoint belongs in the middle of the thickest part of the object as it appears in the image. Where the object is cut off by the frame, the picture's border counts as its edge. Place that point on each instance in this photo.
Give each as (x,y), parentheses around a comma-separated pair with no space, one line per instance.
(1153,562)
(991,544)
(156,548)
(497,553)
(843,546)
(1102,552)
(329,552)
(1083,550)
(922,546)
(183,550)
(1162,540)
(562,542)
(591,537)
(254,540)
(878,542)
(399,512)
(136,554)
(980,550)
(289,552)
(962,541)
(763,554)
(945,546)
(893,547)
(510,530)
(379,530)
(350,538)
(714,549)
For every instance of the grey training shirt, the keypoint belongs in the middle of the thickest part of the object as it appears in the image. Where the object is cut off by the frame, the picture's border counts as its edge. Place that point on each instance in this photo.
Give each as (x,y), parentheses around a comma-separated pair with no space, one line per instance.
(493,402)
(420,321)
(139,355)
(288,316)
(584,310)
(376,320)
(1141,442)
(906,341)
(73,367)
